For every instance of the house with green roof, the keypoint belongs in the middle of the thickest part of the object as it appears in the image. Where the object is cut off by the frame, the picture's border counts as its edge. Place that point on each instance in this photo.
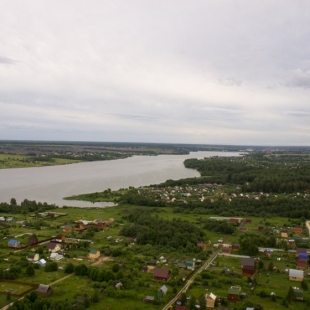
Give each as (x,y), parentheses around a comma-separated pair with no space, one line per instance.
(234,293)
(93,254)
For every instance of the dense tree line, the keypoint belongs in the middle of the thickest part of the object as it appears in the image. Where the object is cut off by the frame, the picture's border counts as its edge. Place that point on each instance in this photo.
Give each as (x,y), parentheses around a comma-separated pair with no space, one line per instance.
(256,172)
(25,206)
(157,231)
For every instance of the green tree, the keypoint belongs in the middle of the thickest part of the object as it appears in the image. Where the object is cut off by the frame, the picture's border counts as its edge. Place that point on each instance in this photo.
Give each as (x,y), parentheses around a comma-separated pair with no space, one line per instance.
(30,270)
(69,268)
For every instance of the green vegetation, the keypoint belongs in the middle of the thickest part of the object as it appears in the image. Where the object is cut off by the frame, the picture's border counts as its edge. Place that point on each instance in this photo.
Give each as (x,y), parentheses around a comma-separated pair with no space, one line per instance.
(160,226)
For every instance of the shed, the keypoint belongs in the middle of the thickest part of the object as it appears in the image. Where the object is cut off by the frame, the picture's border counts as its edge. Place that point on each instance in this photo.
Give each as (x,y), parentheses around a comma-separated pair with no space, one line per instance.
(162,291)
(67,229)
(148,299)
(202,246)
(44,289)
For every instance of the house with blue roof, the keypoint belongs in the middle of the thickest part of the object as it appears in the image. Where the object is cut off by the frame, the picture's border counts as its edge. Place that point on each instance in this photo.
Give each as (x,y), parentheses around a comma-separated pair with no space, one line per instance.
(13,243)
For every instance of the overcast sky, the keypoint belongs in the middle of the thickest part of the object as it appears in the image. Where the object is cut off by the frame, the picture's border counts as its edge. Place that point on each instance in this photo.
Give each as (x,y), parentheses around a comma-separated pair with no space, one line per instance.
(173,71)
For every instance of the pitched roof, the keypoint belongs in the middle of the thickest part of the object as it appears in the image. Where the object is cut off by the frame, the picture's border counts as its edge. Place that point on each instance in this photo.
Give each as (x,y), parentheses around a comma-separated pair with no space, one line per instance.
(296,273)
(234,290)
(93,251)
(161,273)
(164,289)
(248,262)
(43,288)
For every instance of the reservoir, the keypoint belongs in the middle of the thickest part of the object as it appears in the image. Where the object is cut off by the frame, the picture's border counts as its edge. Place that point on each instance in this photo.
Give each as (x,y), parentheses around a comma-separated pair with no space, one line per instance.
(51,184)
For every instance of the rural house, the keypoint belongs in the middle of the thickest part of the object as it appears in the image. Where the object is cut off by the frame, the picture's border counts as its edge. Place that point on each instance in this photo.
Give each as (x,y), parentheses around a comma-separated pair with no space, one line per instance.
(33,257)
(53,247)
(248,266)
(162,274)
(298,293)
(13,243)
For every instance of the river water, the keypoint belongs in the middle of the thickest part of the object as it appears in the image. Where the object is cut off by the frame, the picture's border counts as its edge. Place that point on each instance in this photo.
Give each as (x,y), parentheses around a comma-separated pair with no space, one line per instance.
(51,184)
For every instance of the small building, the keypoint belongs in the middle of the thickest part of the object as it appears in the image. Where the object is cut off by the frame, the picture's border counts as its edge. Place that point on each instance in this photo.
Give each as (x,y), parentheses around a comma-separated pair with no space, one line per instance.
(210,300)
(234,293)
(284,234)
(298,293)
(301,264)
(162,291)
(32,240)
(202,246)
(13,243)
(248,266)
(296,275)
(235,247)
(53,247)
(42,262)
(59,238)
(268,253)
(93,254)
(32,257)
(118,285)
(301,251)
(297,230)
(44,290)
(56,256)
(67,229)
(226,249)
(189,264)
(162,274)
(149,299)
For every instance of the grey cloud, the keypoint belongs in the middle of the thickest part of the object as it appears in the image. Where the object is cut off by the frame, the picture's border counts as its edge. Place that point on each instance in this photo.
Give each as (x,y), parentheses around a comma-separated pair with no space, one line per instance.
(6,60)
(298,113)
(229,82)
(300,78)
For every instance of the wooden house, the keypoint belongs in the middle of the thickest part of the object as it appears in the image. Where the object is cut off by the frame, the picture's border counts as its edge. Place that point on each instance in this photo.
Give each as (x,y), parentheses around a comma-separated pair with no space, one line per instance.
(248,266)
(296,275)
(162,274)
(234,293)
(210,300)
(93,254)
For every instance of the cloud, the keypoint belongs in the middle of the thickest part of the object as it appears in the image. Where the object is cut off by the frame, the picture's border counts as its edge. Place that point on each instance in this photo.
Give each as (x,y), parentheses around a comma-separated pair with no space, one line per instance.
(6,60)
(299,78)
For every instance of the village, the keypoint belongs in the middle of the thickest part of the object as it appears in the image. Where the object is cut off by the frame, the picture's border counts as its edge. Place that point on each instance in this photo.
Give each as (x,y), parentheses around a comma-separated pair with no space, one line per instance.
(230,279)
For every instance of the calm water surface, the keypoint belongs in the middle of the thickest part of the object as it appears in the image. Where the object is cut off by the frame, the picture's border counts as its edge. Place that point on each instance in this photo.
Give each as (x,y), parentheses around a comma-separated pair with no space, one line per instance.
(51,184)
